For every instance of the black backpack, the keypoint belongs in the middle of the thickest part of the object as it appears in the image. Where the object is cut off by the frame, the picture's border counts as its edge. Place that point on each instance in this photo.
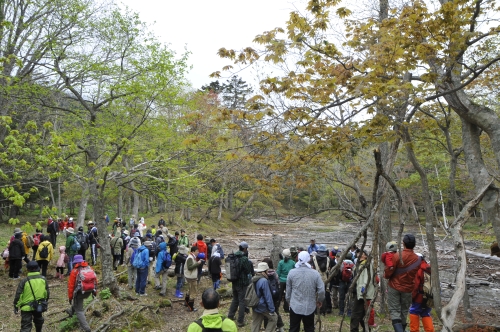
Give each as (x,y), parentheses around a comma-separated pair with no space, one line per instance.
(44,253)
(274,286)
(82,239)
(232,266)
(206,329)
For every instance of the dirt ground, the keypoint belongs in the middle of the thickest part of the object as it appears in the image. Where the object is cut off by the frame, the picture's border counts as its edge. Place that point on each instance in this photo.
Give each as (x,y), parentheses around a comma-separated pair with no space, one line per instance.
(154,313)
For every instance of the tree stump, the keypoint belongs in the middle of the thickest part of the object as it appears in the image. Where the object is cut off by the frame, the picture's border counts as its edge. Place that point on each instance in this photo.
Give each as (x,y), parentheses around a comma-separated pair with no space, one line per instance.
(277,242)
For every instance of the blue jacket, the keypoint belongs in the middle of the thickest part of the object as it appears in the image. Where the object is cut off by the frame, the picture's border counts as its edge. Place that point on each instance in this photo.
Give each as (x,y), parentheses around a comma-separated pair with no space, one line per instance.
(312,248)
(143,253)
(266,303)
(159,259)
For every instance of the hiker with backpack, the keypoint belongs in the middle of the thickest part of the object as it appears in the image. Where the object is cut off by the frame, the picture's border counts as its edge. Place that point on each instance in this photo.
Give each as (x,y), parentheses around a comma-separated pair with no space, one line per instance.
(82,283)
(72,248)
(211,320)
(274,287)
(172,244)
(323,264)
(264,306)
(364,294)
(191,274)
(152,249)
(239,265)
(214,269)
(133,245)
(30,292)
(36,242)
(180,261)
(61,262)
(313,247)
(335,282)
(93,241)
(140,260)
(305,291)
(401,282)
(116,249)
(163,263)
(28,243)
(16,254)
(284,267)
(184,240)
(346,272)
(421,301)
(83,239)
(125,239)
(53,230)
(44,254)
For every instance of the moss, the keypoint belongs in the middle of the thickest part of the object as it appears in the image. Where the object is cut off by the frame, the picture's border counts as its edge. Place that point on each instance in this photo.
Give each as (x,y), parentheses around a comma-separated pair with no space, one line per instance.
(140,321)
(123,279)
(164,303)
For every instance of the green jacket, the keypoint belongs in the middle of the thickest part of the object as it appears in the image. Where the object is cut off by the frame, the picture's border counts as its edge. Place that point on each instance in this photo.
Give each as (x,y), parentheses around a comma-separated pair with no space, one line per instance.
(246,270)
(363,281)
(24,296)
(69,242)
(183,240)
(211,319)
(284,268)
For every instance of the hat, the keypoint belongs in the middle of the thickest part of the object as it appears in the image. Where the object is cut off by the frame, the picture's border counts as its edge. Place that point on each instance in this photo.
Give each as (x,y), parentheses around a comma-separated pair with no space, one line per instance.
(77,259)
(391,246)
(149,235)
(90,222)
(70,230)
(293,249)
(183,231)
(313,240)
(262,267)
(339,253)
(137,234)
(286,252)
(244,245)
(336,248)
(349,256)
(201,255)
(321,247)
(125,232)
(33,266)
(71,219)
(17,230)
(80,229)
(135,242)
(300,249)
(212,240)
(183,249)
(409,239)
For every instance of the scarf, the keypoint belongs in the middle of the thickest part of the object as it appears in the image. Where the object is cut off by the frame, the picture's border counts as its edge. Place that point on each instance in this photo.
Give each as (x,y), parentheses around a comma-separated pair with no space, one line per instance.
(304,258)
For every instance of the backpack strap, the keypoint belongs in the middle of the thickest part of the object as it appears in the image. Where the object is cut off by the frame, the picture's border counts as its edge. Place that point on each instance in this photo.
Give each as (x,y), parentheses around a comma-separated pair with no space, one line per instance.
(200,323)
(408,268)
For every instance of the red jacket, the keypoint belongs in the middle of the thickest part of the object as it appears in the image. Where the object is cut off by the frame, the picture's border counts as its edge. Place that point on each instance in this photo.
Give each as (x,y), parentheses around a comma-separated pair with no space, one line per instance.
(72,279)
(62,225)
(202,247)
(403,282)
(418,288)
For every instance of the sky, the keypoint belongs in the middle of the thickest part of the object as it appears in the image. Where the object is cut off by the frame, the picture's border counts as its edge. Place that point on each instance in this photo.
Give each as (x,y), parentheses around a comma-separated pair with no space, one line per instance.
(202,27)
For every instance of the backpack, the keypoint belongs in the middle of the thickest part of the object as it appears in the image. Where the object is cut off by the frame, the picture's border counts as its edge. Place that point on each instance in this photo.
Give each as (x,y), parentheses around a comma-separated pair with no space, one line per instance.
(347,269)
(274,286)
(30,242)
(167,260)
(208,329)
(36,239)
(75,246)
(82,239)
(137,261)
(427,289)
(86,280)
(5,253)
(44,253)
(232,266)
(324,275)
(132,257)
(251,297)
(153,249)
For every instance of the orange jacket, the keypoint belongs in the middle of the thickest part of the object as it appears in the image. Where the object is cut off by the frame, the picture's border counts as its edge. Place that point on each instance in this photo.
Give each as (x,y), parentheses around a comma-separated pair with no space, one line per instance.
(418,287)
(403,282)
(202,248)
(72,279)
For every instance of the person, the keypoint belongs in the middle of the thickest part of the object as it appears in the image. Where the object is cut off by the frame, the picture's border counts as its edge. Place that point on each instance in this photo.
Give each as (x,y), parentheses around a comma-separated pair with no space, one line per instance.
(132,222)
(93,241)
(211,319)
(172,244)
(27,248)
(116,250)
(116,227)
(37,239)
(61,262)
(335,282)
(304,291)
(284,267)
(75,294)
(216,247)
(294,254)
(323,263)
(180,260)
(161,270)
(106,219)
(142,265)
(161,222)
(63,224)
(151,245)
(265,308)
(202,246)
(70,240)
(239,287)
(134,244)
(191,274)
(184,240)
(43,262)
(83,239)
(16,254)
(386,257)
(313,247)
(33,288)
(354,252)
(345,284)
(274,287)
(71,223)
(401,282)
(365,292)
(126,240)
(214,268)
(53,230)
(419,307)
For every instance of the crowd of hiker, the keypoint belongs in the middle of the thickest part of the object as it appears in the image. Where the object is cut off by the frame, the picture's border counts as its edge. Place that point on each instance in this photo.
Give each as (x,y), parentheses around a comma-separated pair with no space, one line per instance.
(306,282)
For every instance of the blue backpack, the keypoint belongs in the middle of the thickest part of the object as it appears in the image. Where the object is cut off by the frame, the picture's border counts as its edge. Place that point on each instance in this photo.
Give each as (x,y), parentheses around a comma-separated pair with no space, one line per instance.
(132,258)
(167,260)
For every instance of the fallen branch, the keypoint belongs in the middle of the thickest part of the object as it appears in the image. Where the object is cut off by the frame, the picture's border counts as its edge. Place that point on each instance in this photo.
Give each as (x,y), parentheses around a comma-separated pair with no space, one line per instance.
(478,254)
(104,326)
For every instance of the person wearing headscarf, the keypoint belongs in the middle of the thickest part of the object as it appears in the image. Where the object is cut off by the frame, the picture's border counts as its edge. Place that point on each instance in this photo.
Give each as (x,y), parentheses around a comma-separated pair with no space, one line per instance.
(304,291)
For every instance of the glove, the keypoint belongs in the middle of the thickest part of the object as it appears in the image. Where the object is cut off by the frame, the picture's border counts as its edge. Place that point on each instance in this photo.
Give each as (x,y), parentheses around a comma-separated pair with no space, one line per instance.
(363,290)
(16,310)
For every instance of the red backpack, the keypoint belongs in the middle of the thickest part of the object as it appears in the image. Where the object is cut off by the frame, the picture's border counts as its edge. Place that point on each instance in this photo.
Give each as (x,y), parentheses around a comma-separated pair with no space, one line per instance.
(86,280)
(36,240)
(347,268)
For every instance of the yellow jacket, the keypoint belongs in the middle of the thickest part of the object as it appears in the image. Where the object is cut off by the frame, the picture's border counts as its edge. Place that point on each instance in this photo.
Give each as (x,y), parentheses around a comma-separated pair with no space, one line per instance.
(47,244)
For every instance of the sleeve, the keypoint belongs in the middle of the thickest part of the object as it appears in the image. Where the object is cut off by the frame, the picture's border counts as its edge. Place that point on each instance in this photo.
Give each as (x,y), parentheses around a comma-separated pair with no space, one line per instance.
(71,283)
(47,290)
(288,289)
(266,292)
(389,270)
(320,288)
(279,269)
(19,291)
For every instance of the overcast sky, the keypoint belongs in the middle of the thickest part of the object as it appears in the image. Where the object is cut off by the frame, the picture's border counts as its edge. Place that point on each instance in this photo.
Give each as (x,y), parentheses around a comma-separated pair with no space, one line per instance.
(205,26)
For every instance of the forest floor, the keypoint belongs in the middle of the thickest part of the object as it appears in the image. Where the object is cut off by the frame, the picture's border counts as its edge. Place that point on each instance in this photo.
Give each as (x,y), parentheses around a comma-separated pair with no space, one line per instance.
(155,313)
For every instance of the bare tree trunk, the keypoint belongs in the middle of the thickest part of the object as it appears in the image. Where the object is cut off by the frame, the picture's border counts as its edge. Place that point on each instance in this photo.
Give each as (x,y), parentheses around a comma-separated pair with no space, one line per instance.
(277,242)
(244,207)
(83,205)
(119,207)
(59,205)
(135,195)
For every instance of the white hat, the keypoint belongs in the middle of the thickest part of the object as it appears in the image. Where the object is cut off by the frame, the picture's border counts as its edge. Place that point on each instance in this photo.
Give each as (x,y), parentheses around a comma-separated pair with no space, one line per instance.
(70,230)
(71,219)
(286,252)
(262,267)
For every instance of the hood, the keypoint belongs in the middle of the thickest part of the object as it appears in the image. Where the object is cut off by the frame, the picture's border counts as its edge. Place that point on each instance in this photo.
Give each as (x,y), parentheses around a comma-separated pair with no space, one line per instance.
(163,246)
(62,249)
(239,253)
(211,320)
(257,277)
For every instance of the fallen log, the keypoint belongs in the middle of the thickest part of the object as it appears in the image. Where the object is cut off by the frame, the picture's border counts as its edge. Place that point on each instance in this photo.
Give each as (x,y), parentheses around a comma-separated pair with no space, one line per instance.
(478,254)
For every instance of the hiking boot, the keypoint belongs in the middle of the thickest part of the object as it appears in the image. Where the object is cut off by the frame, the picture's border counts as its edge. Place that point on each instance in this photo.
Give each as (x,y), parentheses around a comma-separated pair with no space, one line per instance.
(240,324)
(162,294)
(178,294)
(69,312)
(157,287)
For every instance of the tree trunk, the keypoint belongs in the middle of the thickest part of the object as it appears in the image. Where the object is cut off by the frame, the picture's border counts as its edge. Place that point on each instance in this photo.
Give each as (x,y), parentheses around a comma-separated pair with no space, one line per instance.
(277,242)
(83,205)
(244,207)
(59,205)
(119,207)
(135,195)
